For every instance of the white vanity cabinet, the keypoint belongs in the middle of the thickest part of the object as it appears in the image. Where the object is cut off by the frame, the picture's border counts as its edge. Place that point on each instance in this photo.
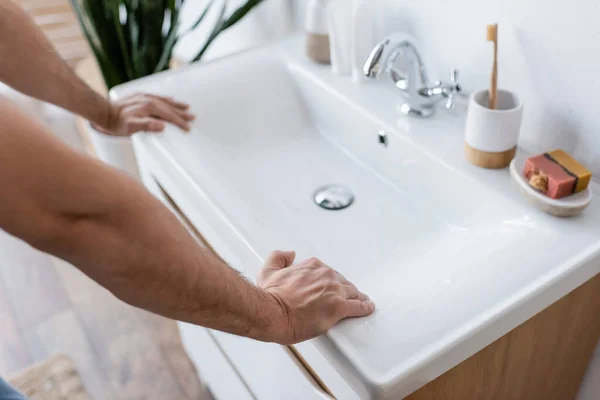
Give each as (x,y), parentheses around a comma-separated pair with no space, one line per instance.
(212,365)
(269,370)
(450,265)
(238,368)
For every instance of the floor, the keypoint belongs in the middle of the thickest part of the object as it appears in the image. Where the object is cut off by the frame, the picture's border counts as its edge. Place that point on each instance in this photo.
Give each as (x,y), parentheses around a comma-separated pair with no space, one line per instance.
(48,306)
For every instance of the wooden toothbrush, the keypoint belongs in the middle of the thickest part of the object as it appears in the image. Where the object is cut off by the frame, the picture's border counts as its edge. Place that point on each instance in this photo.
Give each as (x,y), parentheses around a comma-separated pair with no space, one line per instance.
(492,36)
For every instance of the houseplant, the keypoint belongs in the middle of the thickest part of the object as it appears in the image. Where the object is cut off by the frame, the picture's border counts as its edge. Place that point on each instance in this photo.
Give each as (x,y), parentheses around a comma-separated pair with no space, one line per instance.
(134,38)
(131,39)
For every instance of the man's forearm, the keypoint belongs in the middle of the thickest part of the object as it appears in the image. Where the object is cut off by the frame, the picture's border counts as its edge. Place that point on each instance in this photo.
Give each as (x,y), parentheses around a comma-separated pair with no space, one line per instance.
(30,64)
(138,250)
(111,228)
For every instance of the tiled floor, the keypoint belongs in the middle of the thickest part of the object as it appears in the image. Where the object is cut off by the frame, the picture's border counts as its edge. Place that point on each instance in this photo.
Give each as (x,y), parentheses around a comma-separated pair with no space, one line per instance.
(48,306)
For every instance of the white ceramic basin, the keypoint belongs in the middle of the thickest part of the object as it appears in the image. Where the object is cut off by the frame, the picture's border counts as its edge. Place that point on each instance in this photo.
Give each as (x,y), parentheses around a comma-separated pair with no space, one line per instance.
(441,251)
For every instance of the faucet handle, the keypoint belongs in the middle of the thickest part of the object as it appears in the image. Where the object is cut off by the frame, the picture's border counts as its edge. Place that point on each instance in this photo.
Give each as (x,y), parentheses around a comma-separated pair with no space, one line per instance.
(453,75)
(453,89)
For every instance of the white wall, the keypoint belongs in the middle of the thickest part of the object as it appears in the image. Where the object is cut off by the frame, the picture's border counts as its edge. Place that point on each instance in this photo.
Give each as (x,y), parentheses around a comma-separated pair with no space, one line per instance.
(549,53)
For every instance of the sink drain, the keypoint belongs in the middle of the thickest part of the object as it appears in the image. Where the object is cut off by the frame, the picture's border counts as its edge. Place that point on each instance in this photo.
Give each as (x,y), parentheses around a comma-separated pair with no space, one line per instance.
(334,197)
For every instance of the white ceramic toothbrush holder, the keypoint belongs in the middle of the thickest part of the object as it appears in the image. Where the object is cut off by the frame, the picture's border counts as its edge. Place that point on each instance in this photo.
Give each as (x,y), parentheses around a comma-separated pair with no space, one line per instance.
(491,135)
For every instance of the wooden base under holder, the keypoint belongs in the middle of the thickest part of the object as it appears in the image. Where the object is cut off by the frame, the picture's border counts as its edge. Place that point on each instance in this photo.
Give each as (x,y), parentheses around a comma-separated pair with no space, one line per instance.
(486,159)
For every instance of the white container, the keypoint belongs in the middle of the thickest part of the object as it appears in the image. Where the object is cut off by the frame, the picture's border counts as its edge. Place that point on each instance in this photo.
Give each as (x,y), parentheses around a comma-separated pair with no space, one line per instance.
(493,130)
(339,21)
(364,34)
(115,151)
(316,17)
(317,32)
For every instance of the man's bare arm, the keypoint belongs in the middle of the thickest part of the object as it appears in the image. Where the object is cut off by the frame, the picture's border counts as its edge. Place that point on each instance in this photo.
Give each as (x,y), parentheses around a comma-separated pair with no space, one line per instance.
(30,64)
(112,229)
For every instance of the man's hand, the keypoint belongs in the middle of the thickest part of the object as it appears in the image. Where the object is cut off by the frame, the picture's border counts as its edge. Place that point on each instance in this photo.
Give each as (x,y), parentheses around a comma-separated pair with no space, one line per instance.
(145,112)
(34,60)
(312,296)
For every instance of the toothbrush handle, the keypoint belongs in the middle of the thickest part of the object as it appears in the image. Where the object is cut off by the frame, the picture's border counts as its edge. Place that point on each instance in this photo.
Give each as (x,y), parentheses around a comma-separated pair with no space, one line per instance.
(494,84)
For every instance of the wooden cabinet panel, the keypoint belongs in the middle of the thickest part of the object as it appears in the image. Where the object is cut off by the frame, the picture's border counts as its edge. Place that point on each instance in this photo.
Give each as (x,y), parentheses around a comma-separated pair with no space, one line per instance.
(544,358)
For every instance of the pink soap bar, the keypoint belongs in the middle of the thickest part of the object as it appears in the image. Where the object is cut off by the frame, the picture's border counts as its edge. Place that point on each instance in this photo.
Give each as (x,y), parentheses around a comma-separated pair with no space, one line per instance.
(560,183)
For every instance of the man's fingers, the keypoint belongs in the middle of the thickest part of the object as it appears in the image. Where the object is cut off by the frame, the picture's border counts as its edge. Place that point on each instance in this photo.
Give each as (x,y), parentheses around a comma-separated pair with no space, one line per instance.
(178,108)
(167,113)
(352,288)
(280,259)
(186,115)
(147,124)
(357,308)
(171,101)
(351,292)
(181,112)
(142,98)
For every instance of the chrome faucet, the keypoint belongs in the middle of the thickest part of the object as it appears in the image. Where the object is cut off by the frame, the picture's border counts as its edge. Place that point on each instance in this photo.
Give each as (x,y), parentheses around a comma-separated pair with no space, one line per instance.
(397,55)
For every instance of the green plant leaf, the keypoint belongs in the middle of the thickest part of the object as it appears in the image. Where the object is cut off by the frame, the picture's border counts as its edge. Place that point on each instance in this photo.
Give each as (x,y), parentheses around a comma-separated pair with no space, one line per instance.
(134,37)
(143,42)
(174,36)
(165,57)
(171,38)
(110,76)
(200,19)
(85,25)
(122,43)
(214,33)
(225,24)
(174,6)
(240,13)
(101,18)
(152,18)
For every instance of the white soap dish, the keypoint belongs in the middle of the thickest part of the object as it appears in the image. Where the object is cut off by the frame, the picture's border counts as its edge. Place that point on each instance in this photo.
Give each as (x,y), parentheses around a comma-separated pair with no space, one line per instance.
(565,207)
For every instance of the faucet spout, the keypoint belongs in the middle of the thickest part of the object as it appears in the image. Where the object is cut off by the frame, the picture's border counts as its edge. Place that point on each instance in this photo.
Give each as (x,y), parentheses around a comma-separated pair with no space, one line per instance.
(398,46)
(398,57)
(373,65)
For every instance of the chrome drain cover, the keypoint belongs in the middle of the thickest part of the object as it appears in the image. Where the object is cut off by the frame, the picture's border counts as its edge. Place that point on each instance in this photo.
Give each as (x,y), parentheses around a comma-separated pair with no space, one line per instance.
(334,197)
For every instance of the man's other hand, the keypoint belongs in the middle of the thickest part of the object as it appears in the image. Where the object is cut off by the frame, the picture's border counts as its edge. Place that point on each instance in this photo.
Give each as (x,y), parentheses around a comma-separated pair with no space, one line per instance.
(145,113)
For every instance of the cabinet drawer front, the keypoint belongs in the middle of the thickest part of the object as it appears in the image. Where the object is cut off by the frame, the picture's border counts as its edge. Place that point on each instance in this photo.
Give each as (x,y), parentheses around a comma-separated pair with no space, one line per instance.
(269,370)
(212,365)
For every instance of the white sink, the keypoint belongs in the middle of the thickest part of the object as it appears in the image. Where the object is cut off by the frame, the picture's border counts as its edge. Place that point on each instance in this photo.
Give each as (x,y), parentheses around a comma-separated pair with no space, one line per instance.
(444,250)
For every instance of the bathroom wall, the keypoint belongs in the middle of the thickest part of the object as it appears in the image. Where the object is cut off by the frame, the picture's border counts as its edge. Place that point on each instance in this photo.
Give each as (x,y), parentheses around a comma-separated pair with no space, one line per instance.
(549,53)
(268,21)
